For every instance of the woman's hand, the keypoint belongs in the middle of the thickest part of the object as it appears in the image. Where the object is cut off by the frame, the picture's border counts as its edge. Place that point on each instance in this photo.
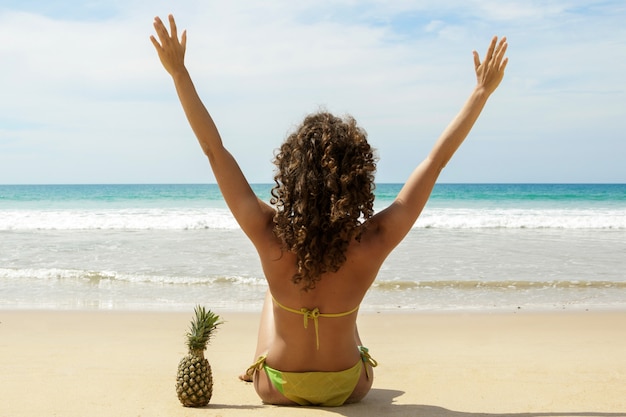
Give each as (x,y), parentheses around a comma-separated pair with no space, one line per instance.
(171,51)
(489,73)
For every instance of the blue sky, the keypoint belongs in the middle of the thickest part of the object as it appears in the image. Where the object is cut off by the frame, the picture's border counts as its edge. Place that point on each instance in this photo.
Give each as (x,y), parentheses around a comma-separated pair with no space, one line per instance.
(84,98)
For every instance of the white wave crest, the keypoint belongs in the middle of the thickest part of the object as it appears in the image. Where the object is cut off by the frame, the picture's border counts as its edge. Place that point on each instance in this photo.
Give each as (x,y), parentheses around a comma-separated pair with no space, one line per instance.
(102,277)
(522,219)
(221,218)
(134,219)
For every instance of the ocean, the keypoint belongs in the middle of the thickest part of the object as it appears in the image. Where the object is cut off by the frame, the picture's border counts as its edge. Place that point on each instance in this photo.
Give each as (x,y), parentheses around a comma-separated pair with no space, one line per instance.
(476,247)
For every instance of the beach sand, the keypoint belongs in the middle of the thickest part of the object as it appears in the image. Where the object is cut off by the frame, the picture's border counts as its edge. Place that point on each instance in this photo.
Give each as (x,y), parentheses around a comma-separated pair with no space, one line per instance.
(517,364)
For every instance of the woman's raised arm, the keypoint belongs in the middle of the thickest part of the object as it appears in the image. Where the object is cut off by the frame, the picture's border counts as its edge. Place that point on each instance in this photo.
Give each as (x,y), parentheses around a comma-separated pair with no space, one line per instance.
(395,221)
(253,215)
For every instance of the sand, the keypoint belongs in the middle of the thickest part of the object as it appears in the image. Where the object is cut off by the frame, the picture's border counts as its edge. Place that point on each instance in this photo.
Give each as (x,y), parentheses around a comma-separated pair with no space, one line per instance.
(517,364)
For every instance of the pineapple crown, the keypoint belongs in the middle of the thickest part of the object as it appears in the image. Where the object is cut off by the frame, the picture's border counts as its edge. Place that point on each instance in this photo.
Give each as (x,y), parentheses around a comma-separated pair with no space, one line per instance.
(201,329)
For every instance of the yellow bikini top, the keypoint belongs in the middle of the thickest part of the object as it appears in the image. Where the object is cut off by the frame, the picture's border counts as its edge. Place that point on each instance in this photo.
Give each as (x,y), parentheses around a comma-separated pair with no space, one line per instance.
(314,315)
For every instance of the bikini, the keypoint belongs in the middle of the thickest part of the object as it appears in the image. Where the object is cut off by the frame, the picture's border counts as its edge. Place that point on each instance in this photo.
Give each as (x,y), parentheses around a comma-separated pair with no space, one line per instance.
(328,389)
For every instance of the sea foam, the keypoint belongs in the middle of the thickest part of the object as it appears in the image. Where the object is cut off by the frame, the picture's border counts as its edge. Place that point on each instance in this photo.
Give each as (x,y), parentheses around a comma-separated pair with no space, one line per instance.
(221,218)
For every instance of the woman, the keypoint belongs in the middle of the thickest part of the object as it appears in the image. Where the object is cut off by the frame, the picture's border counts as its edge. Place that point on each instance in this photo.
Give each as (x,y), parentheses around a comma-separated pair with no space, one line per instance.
(321,246)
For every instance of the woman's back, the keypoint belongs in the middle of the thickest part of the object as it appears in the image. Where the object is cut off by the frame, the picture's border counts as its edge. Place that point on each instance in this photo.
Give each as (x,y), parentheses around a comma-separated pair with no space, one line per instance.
(327,345)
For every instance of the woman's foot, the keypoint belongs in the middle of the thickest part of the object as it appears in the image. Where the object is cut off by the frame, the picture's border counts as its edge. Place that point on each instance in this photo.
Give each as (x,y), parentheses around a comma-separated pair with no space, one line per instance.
(245,377)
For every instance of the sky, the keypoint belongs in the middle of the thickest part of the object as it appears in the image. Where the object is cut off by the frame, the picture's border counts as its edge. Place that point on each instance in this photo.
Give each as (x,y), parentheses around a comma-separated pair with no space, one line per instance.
(84,99)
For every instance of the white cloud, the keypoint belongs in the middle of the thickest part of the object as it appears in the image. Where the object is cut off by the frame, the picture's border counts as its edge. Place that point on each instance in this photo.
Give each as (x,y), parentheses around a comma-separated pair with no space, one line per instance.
(91,89)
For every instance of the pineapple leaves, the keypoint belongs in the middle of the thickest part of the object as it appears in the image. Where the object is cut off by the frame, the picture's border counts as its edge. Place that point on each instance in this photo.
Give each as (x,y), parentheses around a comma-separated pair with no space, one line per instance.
(201,329)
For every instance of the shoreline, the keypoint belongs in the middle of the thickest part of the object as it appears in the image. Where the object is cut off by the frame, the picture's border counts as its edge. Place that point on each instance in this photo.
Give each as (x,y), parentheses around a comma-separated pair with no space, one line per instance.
(364,311)
(450,364)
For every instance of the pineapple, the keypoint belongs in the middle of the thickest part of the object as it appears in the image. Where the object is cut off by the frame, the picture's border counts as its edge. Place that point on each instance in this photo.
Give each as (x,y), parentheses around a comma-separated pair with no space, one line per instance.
(194,383)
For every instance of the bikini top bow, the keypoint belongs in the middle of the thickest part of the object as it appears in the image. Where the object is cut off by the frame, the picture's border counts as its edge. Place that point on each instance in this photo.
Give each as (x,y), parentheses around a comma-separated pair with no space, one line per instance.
(313,315)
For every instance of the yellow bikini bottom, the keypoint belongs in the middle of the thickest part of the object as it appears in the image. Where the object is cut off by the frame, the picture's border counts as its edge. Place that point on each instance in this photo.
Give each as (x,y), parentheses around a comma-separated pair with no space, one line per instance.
(327,389)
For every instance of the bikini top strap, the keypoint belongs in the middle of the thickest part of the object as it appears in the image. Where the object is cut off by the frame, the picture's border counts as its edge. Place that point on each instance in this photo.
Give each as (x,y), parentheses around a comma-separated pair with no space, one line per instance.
(314,315)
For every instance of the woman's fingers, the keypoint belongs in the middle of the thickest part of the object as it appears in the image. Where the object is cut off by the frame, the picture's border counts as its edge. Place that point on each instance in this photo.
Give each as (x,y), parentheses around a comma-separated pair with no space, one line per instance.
(173,27)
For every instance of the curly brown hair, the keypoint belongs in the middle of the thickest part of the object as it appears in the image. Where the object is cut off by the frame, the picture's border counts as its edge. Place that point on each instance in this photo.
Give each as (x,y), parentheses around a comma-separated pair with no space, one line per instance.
(324,192)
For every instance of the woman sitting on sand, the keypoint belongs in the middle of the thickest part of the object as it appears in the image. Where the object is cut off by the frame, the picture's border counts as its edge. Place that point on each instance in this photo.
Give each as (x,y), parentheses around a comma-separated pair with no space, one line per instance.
(321,245)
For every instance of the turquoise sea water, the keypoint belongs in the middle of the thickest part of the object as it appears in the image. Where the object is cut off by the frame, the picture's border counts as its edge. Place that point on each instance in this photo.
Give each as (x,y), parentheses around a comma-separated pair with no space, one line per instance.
(168,247)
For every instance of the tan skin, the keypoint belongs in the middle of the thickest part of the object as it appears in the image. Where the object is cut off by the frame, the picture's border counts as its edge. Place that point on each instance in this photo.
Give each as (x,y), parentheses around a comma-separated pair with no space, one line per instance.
(282,336)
